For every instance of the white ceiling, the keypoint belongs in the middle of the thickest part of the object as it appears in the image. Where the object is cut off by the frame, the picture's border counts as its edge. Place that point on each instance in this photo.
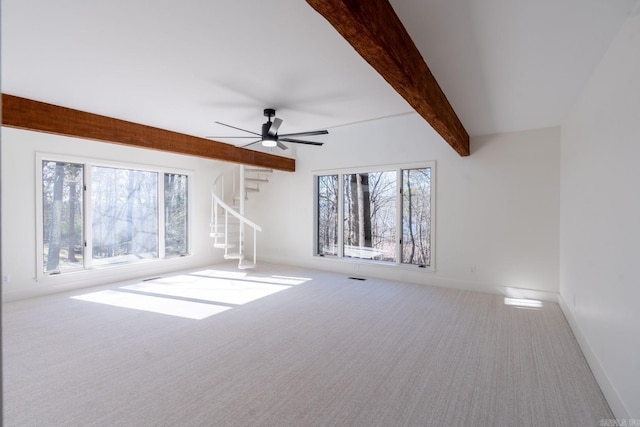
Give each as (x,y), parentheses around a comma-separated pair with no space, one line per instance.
(505,65)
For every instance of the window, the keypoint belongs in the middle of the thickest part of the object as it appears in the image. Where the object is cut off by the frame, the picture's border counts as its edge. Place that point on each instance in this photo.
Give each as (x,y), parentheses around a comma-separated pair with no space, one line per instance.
(124,212)
(416,216)
(378,215)
(96,216)
(175,214)
(327,209)
(370,215)
(62,219)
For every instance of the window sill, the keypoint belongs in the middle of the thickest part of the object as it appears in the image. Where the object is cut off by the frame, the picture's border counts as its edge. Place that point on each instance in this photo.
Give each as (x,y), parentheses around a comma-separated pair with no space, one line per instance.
(113,272)
(383,264)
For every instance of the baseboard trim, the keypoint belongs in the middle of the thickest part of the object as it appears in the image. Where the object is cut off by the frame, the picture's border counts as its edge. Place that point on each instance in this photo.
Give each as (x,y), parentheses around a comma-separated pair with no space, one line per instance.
(609,391)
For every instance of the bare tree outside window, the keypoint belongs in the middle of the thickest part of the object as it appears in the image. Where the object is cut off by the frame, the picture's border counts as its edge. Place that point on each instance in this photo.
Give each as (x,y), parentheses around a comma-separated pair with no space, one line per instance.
(370,215)
(122,209)
(416,216)
(124,206)
(385,215)
(62,195)
(328,215)
(175,214)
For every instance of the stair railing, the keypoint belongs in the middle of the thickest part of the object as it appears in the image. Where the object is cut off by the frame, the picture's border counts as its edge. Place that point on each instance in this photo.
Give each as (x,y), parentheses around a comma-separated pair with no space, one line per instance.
(217,201)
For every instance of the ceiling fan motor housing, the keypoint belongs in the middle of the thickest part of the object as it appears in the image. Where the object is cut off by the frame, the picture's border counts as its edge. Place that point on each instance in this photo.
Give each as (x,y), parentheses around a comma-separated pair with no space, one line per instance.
(268,140)
(265,130)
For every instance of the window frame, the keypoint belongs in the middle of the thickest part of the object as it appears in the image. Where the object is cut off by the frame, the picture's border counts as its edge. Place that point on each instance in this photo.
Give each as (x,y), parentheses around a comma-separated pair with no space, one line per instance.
(398,168)
(87,164)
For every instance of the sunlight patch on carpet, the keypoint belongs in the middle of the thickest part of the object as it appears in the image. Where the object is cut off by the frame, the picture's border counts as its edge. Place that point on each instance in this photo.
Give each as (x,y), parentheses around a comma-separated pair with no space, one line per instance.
(208,289)
(217,291)
(170,306)
(273,279)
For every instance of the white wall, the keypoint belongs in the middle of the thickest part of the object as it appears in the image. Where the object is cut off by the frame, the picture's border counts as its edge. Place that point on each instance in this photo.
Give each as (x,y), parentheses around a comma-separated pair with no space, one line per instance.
(497,210)
(19,211)
(600,221)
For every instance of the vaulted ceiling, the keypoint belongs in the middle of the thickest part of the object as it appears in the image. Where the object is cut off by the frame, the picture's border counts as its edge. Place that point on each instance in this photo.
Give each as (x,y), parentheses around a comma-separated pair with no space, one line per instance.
(504,65)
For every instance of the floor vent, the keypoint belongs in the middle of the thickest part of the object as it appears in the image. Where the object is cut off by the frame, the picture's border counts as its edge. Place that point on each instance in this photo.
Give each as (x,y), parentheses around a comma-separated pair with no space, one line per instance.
(151,278)
(357,278)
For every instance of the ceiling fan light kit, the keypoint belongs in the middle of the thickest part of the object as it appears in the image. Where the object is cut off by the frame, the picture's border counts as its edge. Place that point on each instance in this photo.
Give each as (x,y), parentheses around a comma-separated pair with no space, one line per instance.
(269,142)
(269,136)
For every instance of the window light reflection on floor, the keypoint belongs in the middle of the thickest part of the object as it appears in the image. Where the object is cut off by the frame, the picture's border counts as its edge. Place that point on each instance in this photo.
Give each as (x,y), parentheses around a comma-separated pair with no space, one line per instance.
(171,295)
(170,306)
(274,279)
(212,289)
(523,302)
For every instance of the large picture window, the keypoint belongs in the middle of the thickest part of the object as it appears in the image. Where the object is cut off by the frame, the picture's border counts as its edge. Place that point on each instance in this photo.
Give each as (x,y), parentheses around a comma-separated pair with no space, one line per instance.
(124,211)
(96,216)
(379,215)
(370,215)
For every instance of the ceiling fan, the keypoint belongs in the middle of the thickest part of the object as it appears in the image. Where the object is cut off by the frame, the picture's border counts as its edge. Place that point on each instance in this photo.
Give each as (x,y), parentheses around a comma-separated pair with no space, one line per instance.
(269,136)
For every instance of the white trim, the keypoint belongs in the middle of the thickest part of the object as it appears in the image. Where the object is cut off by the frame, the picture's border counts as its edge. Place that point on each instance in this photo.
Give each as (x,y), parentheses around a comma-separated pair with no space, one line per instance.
(365,262)
(161,219)
(111,163)
(39,244)
(434,186)
(399,218)
(316,215)
(88,220)
(374,168)
(611,395)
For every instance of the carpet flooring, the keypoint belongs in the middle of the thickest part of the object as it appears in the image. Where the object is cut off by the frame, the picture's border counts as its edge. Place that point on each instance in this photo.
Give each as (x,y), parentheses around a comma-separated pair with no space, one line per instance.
(283,346)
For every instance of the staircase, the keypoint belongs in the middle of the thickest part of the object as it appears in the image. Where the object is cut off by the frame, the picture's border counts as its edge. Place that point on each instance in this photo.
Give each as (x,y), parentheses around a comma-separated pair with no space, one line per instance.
(229,225)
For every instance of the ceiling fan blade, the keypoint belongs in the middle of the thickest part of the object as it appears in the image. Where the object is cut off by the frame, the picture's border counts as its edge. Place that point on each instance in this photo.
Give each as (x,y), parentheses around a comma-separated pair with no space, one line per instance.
(233,127)
(274,126)
(254,142)
(310,133)
(281,145)
(225,137)
(299,141)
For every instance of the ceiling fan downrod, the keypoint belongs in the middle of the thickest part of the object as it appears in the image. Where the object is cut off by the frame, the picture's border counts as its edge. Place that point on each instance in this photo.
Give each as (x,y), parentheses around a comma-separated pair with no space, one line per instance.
(269,112)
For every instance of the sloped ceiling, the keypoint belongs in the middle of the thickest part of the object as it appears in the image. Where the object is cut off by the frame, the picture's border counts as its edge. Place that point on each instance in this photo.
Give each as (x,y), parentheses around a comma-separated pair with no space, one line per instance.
(505,65)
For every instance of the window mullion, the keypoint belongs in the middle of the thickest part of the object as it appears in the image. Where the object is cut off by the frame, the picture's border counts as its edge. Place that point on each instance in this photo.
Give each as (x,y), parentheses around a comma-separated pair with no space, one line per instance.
(87,244)
(340,216)
(161,216)
(399,214)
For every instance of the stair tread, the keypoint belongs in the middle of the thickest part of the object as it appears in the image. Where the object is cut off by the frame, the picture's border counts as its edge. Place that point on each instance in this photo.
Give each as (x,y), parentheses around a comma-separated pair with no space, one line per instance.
(221,234)
(234,255)
(223,246)
(230,221)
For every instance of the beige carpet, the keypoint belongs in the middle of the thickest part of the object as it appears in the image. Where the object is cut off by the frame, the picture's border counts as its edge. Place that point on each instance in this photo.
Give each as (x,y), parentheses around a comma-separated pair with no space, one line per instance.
(283,346)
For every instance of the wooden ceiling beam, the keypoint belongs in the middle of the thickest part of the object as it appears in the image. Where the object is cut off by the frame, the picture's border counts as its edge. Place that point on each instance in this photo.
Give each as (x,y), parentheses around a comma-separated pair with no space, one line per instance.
(23,113)
(377,34)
